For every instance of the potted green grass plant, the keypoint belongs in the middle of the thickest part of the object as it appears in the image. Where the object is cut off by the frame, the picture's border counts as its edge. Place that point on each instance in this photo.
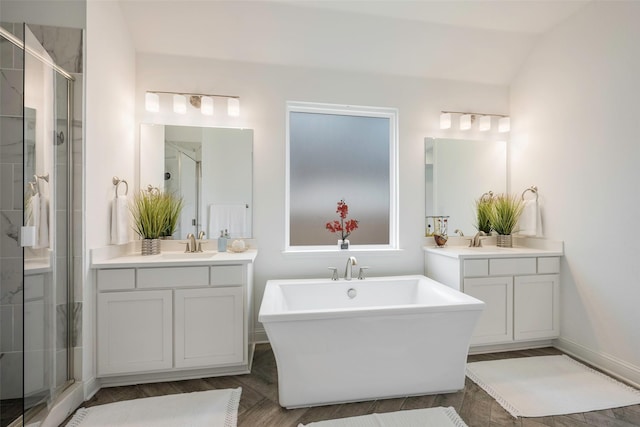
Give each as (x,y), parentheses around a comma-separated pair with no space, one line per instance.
(173,206)
(484,206)
(505,212)
(154,215)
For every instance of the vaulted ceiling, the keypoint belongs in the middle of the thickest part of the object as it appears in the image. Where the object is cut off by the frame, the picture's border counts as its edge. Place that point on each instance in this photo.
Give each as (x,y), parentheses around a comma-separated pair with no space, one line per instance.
(470,40)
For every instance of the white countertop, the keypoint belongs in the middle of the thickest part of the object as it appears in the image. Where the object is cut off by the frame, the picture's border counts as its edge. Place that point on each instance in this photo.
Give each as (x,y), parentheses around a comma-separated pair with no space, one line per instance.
(523,247)
(165,259)
(128,256)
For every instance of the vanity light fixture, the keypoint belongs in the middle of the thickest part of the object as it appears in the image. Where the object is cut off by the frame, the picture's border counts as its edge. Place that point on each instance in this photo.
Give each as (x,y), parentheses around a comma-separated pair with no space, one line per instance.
(152,102)
(467,118)
(484,124)
(233,107)
(179,104)
(201,101)
(504,124)
(445,120)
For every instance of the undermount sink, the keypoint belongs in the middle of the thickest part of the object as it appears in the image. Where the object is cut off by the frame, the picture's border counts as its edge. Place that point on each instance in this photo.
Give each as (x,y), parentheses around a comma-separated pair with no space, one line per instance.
(187,255)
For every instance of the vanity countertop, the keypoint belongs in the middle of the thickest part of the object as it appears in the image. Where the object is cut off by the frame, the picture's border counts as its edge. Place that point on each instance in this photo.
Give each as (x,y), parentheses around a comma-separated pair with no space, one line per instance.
(171,255)
(174,259)
(522,248)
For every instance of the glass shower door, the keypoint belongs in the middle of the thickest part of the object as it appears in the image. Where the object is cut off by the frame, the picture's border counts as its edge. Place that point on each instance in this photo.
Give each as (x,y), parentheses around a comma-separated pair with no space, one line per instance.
(11,217)
(46,237)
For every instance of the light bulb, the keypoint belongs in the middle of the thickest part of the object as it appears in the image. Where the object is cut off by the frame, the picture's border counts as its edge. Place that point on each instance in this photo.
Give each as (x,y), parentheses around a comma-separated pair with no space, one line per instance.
(233,107)
(445,120)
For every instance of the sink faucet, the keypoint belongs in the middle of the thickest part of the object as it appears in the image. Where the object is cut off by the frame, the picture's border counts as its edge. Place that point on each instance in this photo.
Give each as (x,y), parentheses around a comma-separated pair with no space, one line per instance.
(348,271)
(200,237)
(191,246)
(476,242)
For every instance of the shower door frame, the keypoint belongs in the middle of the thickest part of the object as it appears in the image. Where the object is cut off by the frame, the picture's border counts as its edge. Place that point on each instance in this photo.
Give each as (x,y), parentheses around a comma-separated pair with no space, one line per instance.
(36,410)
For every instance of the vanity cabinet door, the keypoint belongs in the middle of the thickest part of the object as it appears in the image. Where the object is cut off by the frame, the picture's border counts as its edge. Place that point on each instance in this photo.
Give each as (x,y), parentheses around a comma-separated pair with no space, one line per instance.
(496,321)
(134,332)
(536,307)
(209,328)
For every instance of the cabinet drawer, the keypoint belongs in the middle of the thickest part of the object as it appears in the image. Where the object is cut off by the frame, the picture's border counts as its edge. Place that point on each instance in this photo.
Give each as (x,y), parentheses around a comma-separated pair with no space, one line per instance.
(476,267)
(116,279)
(227,275)
(511,266)
(548,265)
(173,277)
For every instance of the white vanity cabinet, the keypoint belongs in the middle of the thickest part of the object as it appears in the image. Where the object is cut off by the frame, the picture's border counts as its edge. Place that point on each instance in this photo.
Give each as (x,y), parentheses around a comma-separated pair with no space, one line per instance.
(159,321)
(134,331)
(520,288)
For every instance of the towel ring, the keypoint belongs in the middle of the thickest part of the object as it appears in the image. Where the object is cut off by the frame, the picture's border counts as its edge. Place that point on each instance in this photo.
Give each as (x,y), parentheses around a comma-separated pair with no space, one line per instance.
(117,181)
(533,189)
(486,196)
(151,189)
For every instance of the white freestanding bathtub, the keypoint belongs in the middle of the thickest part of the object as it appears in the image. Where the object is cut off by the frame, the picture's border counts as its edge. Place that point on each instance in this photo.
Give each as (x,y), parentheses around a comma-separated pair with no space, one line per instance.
(382,337)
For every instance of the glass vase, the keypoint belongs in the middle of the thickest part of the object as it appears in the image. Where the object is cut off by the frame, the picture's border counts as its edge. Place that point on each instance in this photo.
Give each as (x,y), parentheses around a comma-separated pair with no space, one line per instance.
(343,244)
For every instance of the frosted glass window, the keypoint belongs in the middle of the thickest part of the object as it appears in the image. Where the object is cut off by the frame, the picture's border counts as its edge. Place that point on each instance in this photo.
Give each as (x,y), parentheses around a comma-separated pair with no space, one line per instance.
(341,153)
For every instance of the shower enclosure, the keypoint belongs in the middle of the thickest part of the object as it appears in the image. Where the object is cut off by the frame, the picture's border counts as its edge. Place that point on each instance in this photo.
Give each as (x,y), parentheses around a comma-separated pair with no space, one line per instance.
(36,211)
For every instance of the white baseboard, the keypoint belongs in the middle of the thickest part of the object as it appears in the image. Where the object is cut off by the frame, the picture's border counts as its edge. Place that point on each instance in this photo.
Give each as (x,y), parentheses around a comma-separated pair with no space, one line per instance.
(260,335)
(613,366)
(91,387)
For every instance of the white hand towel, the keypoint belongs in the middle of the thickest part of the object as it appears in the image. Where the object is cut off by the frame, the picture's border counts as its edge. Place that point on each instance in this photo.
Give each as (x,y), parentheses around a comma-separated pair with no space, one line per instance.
(230,217)
(41,221)
(119,220)
(530,222)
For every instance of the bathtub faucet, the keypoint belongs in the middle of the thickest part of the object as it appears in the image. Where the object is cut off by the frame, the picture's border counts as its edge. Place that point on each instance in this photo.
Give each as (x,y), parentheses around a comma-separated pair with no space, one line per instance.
(348,271)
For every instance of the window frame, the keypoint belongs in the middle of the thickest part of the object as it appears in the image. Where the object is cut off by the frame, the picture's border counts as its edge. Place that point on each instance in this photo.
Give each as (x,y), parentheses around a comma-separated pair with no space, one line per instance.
(346,110)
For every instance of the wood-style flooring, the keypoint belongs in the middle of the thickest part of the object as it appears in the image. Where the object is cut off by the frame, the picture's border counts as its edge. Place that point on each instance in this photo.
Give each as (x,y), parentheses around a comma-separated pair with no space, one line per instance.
(259,403)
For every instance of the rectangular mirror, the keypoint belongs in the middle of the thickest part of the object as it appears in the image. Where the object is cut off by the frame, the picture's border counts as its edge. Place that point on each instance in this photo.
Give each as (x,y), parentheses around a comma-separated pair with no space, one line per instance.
(210,168)
(457,173)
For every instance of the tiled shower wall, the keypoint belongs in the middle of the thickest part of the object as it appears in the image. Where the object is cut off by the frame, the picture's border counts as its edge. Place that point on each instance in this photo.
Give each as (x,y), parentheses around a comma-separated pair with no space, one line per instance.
(64,45)
(11,268)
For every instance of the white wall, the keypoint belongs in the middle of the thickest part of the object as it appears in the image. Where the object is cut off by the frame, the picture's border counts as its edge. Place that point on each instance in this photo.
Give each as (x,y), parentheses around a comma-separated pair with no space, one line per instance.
(575,116)
(109,140)
(264,90)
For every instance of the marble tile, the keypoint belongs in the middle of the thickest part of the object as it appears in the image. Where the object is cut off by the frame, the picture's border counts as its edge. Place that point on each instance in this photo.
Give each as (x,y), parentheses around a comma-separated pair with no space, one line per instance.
(10,223)
(11,375)
(6,328)
(61,280)
(18,180)
(76,327)
(61,187)
(11,140)
(6,186)
(61,368)
(11,93)
(64,45)
(6,51)
(61,326)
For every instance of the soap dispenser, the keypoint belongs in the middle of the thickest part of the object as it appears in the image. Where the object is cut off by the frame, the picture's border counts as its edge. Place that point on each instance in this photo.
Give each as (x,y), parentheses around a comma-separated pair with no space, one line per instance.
(222,242)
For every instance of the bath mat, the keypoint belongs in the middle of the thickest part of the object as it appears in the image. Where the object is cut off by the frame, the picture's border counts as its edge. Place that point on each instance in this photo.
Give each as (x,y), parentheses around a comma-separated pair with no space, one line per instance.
(549,385)
(213,408)
(430,417)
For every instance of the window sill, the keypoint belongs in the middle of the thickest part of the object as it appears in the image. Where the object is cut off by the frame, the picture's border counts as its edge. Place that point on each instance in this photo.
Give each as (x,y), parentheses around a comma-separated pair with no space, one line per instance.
(304,252)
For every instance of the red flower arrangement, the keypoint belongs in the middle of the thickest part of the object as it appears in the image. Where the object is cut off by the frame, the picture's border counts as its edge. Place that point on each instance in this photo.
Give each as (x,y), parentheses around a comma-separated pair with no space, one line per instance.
(343,227)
